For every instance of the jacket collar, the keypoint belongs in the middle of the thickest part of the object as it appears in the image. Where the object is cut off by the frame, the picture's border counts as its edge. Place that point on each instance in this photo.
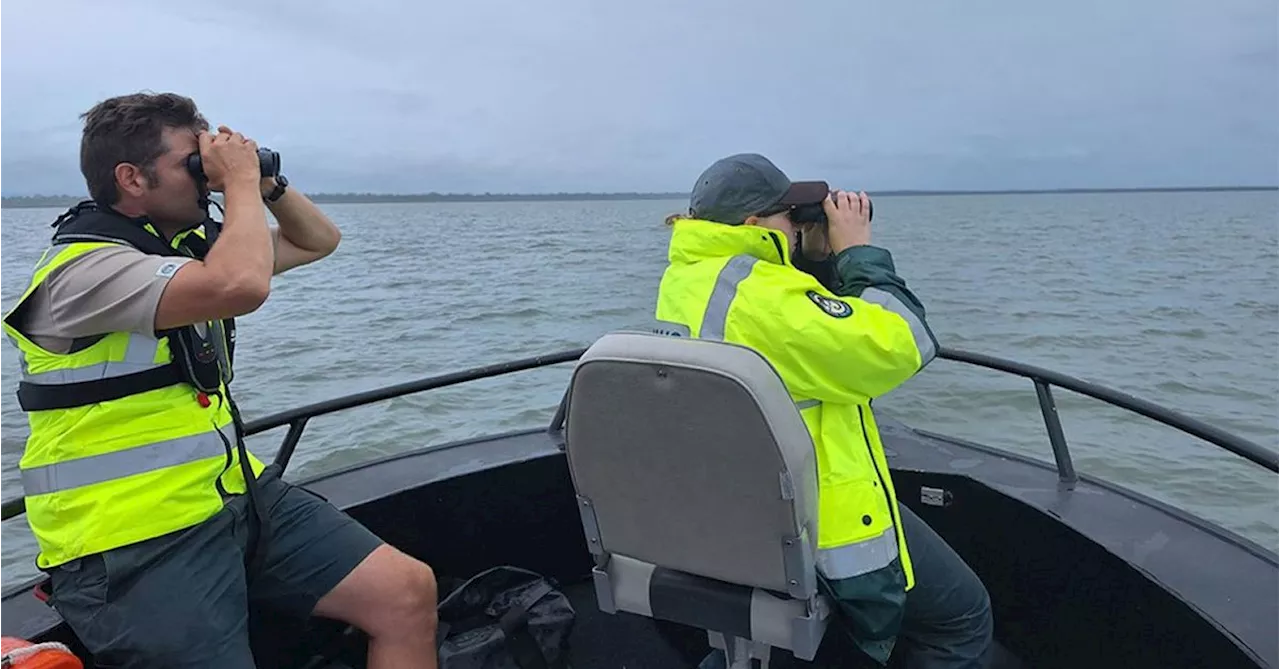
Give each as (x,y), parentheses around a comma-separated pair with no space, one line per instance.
(695,239)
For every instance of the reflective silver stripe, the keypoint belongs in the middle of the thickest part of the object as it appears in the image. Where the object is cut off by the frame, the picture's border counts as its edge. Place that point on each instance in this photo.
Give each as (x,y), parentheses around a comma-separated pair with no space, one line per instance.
(857,559)
(119,464)
(139,355)
(732,274)
(889,301)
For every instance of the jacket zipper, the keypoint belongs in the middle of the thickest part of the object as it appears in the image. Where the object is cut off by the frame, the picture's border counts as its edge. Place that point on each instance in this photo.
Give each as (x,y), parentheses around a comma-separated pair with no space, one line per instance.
(893,512)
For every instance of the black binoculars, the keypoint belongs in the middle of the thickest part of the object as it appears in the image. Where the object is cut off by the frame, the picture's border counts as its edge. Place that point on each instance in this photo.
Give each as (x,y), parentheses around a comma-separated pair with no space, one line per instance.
(814,213)
(268,162)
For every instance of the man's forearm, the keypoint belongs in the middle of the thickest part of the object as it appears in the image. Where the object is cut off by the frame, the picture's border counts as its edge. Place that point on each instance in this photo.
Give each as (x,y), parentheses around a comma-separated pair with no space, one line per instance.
(301,221)
(861,267)
(242,253)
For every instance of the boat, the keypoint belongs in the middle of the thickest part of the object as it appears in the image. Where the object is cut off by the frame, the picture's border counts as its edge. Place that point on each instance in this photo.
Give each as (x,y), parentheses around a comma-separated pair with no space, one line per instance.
(1081,572)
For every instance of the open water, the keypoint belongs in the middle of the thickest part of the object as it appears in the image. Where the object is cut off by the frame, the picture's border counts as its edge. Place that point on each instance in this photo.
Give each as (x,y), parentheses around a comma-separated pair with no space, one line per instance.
(1168,296)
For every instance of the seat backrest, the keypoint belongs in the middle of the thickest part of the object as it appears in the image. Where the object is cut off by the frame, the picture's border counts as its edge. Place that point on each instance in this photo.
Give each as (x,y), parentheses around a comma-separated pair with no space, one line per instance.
(691,455)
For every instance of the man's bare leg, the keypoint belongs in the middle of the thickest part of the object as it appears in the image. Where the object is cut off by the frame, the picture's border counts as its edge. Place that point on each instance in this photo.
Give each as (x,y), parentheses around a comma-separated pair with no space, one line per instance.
(392,597)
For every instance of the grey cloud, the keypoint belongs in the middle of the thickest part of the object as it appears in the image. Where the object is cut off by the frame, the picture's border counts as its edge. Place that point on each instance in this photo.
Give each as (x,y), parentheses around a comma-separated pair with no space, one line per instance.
(581,95)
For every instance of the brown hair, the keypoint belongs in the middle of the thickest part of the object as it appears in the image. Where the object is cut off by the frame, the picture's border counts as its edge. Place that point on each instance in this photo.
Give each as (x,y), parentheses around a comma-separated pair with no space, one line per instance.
(127,129)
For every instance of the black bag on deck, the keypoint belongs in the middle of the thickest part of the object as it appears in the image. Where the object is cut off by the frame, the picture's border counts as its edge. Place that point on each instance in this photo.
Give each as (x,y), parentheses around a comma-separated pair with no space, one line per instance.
(505,618)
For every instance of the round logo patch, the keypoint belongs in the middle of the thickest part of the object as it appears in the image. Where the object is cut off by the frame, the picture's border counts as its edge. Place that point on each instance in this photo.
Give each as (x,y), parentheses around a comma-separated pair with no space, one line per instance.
(834,308)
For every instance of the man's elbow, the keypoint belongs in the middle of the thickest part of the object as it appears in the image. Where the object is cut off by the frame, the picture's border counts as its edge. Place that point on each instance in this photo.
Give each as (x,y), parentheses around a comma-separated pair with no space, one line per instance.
(917,349)
(246,295)
(897,366)
(334,240)
(912,346)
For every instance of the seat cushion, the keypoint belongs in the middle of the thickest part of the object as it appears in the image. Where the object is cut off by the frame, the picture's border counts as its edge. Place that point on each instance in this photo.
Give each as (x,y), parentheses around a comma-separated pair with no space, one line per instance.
(639,587)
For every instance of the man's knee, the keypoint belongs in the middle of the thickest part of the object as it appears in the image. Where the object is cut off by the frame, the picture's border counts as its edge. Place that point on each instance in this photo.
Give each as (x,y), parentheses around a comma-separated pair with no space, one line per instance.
(974,631)
(389,595)
(420,586)
(414,603)
(982,620)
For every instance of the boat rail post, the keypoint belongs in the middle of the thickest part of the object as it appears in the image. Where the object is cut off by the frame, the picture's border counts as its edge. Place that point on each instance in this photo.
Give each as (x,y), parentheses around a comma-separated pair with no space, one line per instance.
(290,443)
(557,421)
(1057,439)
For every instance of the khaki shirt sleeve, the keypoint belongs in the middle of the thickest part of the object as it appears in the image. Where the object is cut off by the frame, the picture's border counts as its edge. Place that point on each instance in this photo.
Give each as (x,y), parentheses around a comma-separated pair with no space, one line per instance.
(113,289)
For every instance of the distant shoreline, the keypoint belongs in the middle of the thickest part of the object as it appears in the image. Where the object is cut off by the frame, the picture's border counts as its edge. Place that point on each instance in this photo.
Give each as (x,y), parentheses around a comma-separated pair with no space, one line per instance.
(47,201)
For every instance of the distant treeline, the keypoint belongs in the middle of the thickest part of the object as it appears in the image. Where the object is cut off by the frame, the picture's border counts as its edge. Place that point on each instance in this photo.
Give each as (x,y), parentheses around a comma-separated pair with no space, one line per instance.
(29,201)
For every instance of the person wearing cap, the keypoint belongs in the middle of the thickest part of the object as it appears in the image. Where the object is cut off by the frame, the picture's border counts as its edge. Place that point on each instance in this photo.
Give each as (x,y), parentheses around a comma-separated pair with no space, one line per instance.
(837,343)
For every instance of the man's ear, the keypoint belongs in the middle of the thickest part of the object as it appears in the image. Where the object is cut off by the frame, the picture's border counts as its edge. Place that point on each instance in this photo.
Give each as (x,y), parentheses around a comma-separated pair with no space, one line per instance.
(752,220)
(131,180)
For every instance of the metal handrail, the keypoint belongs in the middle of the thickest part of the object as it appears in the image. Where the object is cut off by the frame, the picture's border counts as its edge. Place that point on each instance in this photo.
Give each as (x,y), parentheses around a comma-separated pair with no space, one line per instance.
(1043,379)
(297,417)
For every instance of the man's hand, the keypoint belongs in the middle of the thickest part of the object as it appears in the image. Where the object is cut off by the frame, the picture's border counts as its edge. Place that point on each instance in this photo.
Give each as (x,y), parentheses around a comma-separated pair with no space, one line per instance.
(229,158)
(848,219)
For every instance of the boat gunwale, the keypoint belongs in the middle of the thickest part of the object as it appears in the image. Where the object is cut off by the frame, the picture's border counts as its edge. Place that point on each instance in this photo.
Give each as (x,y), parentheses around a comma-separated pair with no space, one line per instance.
(1223,533)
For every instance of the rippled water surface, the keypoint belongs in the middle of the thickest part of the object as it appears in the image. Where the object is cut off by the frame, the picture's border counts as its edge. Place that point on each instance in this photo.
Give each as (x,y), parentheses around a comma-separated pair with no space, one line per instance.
(1171,297)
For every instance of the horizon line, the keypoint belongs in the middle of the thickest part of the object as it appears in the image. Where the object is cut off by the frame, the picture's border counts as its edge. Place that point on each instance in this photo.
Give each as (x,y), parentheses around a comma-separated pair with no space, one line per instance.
(356,197)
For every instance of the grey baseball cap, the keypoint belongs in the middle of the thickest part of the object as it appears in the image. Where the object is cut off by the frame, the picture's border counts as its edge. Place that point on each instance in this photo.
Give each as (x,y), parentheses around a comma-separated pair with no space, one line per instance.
(748,184)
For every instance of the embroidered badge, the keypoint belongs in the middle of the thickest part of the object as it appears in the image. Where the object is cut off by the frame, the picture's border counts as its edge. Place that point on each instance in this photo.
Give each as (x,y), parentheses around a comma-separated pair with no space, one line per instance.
(834,308)
(168,269)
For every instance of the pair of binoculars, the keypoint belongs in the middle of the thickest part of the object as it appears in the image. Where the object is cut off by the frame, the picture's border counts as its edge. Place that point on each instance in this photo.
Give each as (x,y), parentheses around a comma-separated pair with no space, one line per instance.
(814,213)
(268,162)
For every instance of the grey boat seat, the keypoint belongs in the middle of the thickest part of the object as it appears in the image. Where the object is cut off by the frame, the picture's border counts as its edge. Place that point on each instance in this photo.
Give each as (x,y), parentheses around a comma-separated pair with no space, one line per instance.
(697,487)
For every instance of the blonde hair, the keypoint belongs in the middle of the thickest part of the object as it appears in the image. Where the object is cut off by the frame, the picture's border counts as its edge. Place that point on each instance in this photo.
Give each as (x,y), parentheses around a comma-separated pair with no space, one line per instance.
(672,218)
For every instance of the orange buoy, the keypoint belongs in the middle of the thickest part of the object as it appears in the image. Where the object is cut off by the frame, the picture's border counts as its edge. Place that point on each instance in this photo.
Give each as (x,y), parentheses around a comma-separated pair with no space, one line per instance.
(22,654)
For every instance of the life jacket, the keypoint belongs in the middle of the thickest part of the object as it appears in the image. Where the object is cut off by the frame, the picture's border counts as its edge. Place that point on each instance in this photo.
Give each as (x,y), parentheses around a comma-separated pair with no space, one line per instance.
(131,434)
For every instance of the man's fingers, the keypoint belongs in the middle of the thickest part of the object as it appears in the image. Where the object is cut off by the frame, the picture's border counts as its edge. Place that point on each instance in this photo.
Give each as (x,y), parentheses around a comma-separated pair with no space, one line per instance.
(829,205)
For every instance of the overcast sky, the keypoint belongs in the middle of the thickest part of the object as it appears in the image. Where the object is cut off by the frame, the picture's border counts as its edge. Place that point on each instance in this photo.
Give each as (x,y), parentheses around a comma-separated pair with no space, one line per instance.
(595,95)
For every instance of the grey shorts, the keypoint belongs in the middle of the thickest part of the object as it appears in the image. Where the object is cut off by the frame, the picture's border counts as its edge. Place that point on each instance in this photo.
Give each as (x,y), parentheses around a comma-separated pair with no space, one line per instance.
(182,600)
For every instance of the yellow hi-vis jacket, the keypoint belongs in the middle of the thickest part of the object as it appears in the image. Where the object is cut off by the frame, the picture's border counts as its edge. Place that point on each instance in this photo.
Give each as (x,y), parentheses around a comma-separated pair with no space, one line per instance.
(102,474)
(737,283)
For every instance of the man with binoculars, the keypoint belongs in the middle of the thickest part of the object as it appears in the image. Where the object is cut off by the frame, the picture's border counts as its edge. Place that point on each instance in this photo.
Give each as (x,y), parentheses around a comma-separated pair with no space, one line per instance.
(155,523)
(788,269)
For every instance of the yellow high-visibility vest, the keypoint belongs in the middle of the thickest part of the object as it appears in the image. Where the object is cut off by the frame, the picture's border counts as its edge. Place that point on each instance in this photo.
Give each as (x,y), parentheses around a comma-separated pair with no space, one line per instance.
(102,473)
